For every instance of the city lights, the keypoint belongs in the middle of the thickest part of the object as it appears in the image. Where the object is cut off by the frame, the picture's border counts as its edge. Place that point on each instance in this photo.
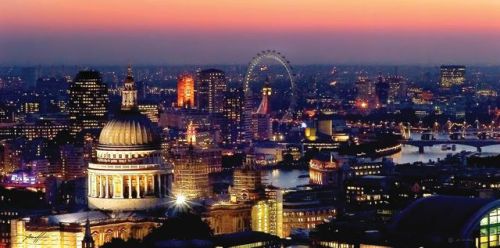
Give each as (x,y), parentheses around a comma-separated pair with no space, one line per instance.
(329,124)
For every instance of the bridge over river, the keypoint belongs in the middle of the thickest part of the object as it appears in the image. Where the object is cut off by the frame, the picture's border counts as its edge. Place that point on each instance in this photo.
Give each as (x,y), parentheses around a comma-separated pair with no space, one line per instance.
(477,143)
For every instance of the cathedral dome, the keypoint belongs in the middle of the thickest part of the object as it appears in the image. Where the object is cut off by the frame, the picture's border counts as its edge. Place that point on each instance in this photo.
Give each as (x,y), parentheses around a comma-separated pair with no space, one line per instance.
(129,128)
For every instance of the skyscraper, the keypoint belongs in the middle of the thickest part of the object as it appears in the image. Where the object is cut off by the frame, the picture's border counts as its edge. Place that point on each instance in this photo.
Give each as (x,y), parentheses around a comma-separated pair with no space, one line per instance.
(210,88)
(233,113)
(185,91)
(397,89)
(452,75)
(365,88)
(88,101)
(382,87)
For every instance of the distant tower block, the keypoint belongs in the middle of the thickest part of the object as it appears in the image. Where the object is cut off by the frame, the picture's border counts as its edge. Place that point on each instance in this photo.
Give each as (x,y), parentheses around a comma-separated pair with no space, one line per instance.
(185,91)
(88,102)
(452,75)
(210,88)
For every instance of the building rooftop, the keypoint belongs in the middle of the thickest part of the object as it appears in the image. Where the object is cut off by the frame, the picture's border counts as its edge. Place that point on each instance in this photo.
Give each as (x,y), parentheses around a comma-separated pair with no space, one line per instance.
(440,219)
(241,238)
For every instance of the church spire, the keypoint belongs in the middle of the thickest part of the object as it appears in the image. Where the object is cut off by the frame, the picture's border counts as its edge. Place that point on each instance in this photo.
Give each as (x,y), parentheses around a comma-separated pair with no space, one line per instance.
(129,70)
(88,241)
(129,92)
(191,133)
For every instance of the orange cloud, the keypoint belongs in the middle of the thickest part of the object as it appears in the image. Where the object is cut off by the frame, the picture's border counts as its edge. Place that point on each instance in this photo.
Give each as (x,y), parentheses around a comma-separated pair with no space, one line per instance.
(251,15)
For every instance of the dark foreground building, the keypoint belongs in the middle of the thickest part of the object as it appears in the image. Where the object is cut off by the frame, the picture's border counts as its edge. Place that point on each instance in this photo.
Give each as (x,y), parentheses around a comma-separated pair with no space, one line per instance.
(436,221)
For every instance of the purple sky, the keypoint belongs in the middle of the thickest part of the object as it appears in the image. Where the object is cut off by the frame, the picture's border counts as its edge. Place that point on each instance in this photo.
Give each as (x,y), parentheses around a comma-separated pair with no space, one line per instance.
(154,32)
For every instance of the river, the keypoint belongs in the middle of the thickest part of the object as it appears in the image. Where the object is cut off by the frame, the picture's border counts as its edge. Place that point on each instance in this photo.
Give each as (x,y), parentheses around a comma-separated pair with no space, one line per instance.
(408,154)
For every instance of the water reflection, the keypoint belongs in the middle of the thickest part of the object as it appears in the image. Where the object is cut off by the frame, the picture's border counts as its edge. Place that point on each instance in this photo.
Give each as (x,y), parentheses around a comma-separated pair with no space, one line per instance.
(285,178)
(409,154)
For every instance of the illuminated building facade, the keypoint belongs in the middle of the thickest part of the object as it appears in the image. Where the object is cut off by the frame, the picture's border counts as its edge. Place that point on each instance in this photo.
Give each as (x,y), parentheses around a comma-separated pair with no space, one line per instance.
(305,215)
(191,173)
(261,119)
(88,101)
(452,75)
(226,217)
(68,230)
(268,153)
(11,152)
(185,92)
(397,89)
(210,88)
(367,168)
(30,107)
(247,182)
(40,129)
(152,111)
(233,112)
(267,215)
(324,171)
(72,162)
(128,172)
(366,95)
(306,207)
(382,89)
(368,191)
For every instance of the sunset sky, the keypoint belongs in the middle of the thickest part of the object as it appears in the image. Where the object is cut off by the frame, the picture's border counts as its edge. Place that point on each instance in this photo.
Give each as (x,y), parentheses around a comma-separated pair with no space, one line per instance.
(232,31)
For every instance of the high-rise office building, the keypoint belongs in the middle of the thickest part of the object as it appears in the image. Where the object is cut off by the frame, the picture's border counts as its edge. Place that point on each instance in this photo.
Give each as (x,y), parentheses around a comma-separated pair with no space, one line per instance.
(365,93)
(210,88)
(452,75)
(382,88)
(233,113)
(88,101)
(150,110)
(185,91)
(398,88)
(267,215)
(72,162)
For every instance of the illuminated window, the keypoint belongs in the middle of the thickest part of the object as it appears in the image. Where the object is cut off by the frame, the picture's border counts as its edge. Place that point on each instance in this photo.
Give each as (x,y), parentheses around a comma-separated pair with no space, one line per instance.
(489,233)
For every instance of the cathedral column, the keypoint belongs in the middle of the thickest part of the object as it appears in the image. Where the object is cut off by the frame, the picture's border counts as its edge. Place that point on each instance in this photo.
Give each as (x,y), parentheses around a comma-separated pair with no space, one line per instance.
(145,184)
(159,186)
(153,184)
(122,186)
(163,188)
(101,191)
(89,190)
(111,187)
(137,186)
(94,185)
(129,186)
(107,186)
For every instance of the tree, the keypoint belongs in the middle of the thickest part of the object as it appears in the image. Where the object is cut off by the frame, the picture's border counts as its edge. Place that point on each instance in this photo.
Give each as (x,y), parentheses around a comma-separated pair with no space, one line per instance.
(185,226)
(120,243)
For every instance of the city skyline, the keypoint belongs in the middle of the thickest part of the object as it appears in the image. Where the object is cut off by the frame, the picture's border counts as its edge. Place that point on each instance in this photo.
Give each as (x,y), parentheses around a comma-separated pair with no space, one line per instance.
(249,123)
(227,32)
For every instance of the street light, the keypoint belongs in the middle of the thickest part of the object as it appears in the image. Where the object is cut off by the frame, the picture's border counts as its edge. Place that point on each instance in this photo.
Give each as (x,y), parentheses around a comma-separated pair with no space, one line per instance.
(180,200)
